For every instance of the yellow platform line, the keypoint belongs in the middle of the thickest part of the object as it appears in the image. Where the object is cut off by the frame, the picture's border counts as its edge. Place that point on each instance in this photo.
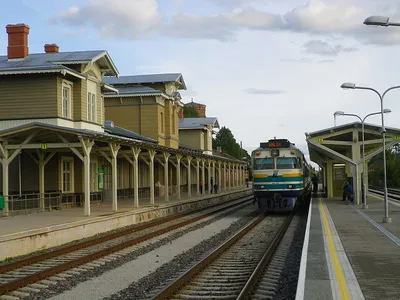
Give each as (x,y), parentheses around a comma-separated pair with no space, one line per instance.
(343,288)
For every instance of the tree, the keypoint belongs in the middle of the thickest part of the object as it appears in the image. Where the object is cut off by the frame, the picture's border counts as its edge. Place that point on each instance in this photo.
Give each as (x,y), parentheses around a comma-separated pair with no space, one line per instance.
(228,144)
(190,112)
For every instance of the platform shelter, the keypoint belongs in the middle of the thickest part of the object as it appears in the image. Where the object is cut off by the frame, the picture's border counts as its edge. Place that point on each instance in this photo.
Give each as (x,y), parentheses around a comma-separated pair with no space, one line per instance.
(338,151)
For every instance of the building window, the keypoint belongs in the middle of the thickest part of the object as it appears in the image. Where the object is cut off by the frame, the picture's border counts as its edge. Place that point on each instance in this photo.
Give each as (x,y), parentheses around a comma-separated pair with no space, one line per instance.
(67,174)
(91,107)
(66,101)
(91,101)
(162,122)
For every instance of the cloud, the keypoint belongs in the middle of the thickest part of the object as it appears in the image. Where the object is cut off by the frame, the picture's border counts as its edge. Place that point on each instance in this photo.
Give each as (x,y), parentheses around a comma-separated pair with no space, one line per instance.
(325,61)
(220,27)
(263,92)
(133,19)
(323,48)
(189,92)
(304,60)
(114,18)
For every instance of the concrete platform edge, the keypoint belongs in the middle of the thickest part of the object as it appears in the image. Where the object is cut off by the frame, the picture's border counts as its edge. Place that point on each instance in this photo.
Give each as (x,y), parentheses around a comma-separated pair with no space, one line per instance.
(303,263)
(29,241)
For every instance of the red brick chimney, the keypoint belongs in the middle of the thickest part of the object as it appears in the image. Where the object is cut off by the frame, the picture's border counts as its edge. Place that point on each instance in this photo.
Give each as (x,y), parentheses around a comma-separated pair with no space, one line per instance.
(17,41)
(51,48)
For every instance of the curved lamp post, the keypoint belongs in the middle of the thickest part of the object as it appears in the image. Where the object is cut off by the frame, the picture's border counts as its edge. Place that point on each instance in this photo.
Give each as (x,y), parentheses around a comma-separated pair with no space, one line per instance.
(341,113)
(379,21)
(353,86)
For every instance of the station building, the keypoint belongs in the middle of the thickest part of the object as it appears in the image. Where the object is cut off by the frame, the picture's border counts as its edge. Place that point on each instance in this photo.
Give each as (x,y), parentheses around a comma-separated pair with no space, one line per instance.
(74,132)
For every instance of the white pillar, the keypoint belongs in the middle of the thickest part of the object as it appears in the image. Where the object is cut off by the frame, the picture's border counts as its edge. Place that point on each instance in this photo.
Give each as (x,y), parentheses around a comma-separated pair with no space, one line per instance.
(136,152)
(152,153)
(189,176)
(166,157)
(225,176)
(229,176)
(114,181)
(203,176)
(219,177)
(209,177)
(178,176)
(41,179)
(4,154)
(198,176)
(87,148)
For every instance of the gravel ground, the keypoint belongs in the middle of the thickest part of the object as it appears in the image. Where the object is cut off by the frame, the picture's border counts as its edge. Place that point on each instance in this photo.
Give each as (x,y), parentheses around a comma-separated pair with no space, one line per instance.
(169,271)
(69,284)
(289,276)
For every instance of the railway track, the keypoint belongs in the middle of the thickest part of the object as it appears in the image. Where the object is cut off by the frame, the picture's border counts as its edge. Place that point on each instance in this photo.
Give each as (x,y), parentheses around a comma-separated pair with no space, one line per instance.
(393,194)
(21,277)
(234,269)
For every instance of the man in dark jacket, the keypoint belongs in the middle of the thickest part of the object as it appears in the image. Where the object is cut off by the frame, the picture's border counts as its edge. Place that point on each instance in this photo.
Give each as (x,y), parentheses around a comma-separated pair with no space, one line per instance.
(315,183)
(347,191)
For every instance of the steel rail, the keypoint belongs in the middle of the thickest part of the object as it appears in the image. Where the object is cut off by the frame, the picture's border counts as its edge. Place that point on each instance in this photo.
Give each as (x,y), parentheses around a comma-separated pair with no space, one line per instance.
(21,282)
(168,291)
(98,240)
(263,264)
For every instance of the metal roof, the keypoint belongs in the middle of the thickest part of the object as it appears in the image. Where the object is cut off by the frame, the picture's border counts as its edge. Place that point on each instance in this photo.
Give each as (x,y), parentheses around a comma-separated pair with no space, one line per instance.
(198,123)
(147,78)
(139,90)
(103,136)
(349,125)
(109,127)
(36,61)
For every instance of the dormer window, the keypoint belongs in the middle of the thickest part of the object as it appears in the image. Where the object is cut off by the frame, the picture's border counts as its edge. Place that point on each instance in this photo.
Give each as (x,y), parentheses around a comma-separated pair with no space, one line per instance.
(66,101)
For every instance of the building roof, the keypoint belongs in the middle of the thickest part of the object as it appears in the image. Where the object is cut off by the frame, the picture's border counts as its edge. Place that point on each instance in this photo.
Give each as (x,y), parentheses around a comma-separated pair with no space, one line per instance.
(109,127)
(41,62)
(102,136)
(134,91)
(350,125)
(198,123)
(147,78)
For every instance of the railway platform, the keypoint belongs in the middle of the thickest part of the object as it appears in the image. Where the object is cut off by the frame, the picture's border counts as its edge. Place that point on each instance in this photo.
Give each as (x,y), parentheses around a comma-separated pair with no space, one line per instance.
(22,234)
(348,253)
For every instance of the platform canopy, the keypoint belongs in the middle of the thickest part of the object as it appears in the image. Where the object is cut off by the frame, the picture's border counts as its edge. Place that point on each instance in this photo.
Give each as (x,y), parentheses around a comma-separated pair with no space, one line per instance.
(344,143)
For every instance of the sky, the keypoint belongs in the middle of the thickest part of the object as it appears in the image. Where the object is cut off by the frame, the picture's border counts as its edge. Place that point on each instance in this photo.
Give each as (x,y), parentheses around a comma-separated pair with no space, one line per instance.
(264,68)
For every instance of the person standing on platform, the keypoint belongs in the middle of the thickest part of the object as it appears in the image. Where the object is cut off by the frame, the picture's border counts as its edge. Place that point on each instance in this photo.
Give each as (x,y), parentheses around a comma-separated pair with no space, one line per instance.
(315,183)
(347,191)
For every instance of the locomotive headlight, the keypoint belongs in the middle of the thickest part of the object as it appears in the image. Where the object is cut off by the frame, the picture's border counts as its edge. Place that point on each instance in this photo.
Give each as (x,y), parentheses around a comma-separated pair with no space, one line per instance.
(290,186)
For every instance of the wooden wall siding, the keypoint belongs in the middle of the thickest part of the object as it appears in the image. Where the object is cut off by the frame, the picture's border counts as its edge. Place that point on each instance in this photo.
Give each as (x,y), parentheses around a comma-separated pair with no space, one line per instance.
(37,94)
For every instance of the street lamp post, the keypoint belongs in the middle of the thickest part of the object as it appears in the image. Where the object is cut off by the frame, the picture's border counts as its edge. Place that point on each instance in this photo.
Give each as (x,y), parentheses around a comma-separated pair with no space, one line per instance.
(353,86)
(379,21)
(341,113)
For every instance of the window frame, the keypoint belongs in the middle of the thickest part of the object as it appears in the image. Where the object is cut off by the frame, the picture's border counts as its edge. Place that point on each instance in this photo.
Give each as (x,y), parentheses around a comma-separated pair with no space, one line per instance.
(68,87)
(91,102)
(69,159)
(262,159)
(292,158)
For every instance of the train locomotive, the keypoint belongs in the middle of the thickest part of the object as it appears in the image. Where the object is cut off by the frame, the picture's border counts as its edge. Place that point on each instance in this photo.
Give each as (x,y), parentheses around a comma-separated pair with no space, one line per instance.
(281,176)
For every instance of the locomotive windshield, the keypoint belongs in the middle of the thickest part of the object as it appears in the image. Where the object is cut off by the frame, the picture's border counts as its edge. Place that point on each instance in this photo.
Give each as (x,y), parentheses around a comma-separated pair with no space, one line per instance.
(264,163)
(288,163)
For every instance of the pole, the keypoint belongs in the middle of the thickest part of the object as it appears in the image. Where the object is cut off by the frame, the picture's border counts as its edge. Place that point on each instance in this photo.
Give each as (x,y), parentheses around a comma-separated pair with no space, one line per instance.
(364,174)
(386,219)
(19,174)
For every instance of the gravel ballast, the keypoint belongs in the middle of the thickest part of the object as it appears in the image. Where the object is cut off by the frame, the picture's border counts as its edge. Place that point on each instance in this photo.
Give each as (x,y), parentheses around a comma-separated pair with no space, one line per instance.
(144,261)
(290,274)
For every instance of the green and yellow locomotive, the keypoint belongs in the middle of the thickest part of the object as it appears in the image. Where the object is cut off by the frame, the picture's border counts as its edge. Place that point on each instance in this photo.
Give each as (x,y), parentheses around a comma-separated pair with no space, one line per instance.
(281,175)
